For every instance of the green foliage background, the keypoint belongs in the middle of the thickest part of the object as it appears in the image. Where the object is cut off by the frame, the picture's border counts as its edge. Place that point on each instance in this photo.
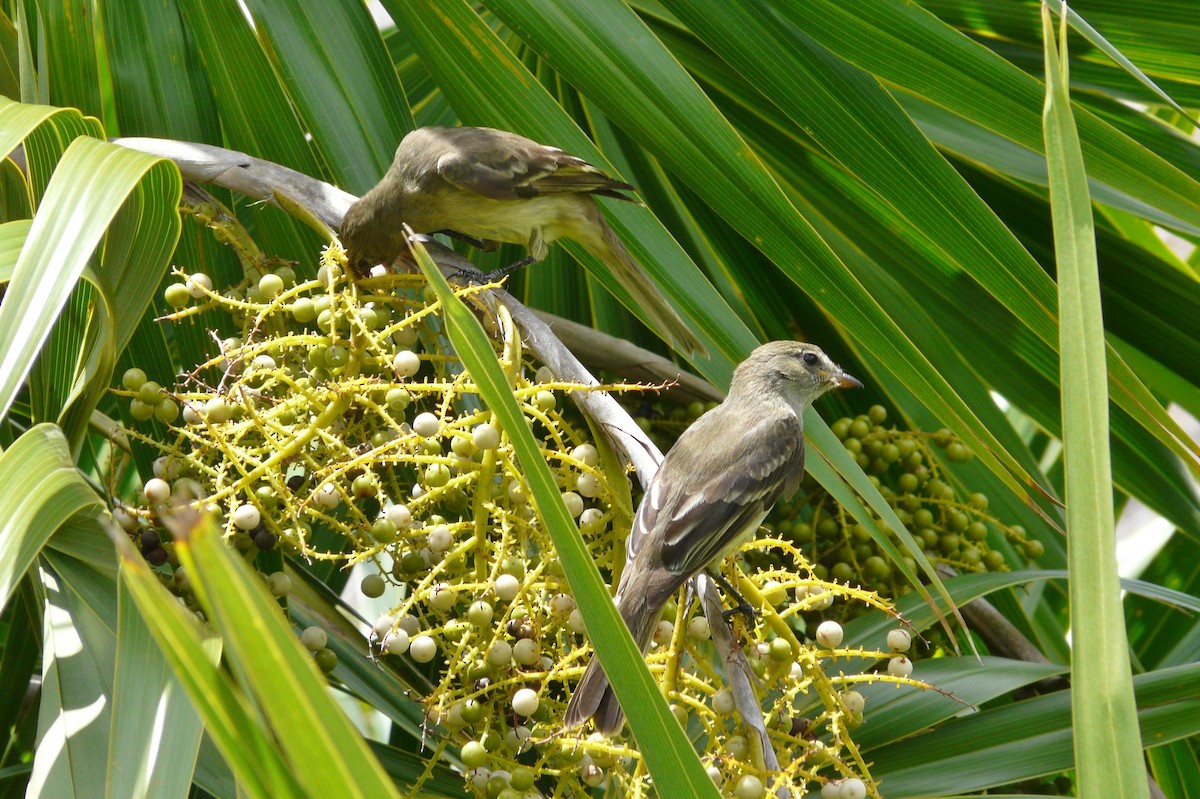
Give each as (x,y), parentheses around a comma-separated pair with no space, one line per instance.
(867,175)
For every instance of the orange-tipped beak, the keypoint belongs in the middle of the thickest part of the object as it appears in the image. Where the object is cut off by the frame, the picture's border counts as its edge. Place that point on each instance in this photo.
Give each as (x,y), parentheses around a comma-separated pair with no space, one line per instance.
(848,381)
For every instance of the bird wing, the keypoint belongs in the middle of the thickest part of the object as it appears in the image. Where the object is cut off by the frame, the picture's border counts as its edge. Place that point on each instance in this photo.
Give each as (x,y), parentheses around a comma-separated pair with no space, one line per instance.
(504,166)
(704,503)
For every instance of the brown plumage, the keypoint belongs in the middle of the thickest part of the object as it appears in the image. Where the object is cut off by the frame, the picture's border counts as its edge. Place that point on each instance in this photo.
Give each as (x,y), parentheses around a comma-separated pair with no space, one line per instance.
(500,187)
(711,493)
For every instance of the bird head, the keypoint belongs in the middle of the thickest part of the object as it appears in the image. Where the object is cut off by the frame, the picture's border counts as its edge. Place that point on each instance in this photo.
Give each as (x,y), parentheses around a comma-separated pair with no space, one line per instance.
(798,371)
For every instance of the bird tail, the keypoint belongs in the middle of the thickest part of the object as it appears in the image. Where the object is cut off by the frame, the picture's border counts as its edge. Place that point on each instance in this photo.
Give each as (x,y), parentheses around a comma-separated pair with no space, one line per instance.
(611,251)
(593,697)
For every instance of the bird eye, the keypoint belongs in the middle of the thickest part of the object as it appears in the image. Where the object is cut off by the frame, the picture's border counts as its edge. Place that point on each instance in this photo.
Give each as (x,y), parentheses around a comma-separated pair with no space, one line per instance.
(810,358)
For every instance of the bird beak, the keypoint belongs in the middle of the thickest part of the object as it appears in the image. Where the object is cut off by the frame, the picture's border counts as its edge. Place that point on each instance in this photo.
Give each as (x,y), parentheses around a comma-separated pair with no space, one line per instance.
(847,381)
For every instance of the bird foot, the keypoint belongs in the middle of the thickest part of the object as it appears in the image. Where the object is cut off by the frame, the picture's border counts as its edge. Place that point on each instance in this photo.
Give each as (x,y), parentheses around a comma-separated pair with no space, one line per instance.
(743,606)
(503,271)
(468,277)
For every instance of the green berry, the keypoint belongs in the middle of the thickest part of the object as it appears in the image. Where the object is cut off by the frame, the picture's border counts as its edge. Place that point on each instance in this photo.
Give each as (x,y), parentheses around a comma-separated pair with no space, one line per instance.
(177,295)
(314,638)
(780,651)
(287,275)
(269,285)
(472,711)
(749,787)
(140,410)
(437,475)
(522,778)
(474,755)
(383,531)
(841,428)
(373,586)
(133,379)
(877,568)
(336,356)
(958,452)
(166,411)
(545,401)
(150,392)
(279,584)
(327,660)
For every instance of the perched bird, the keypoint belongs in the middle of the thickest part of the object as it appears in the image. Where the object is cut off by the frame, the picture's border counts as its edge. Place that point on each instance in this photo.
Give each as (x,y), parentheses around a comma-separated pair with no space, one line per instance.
(711,493)
(497,186)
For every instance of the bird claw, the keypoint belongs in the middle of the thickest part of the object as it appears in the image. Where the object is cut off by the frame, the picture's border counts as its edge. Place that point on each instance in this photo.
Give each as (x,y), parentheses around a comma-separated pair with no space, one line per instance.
(468,276)
(504,271)
(744,609)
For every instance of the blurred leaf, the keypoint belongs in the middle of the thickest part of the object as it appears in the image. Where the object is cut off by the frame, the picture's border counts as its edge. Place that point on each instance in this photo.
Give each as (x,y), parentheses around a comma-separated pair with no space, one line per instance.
(327,755)
(76,697)
(904,44)
(71,51)
(255,115)
(1026,739)
(193,653)
(150,38)
(356,112)
(91,183)
(43,490)
(155,729)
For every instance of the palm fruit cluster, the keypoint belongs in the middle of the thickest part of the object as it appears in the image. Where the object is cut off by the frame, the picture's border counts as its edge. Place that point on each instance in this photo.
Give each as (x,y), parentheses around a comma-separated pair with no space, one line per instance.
(335,424)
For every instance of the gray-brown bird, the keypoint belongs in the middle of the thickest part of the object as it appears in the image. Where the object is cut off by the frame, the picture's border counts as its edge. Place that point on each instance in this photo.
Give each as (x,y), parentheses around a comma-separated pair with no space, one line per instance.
(497,186)
(710,495)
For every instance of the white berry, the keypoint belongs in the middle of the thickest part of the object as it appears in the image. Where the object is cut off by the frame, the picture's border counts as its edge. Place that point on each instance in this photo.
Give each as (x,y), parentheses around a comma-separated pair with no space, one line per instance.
(156,490)
(396,643)
(525,702)
(722,702)
(425,425)
(398,515)
(507,586)
(327,496)
(574,503)
(586,454)
(587,485)
(853,788)
(486,436)
(246,517)
(829,634)
(899,640)
(406,363)
(423,648)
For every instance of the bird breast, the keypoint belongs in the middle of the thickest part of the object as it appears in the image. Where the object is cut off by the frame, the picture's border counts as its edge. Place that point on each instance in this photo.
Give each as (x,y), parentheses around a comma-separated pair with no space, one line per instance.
(508,221)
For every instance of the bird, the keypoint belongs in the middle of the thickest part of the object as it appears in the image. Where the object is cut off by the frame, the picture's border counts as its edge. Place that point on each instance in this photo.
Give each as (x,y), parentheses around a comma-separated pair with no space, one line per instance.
(497,186)
(709,496)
